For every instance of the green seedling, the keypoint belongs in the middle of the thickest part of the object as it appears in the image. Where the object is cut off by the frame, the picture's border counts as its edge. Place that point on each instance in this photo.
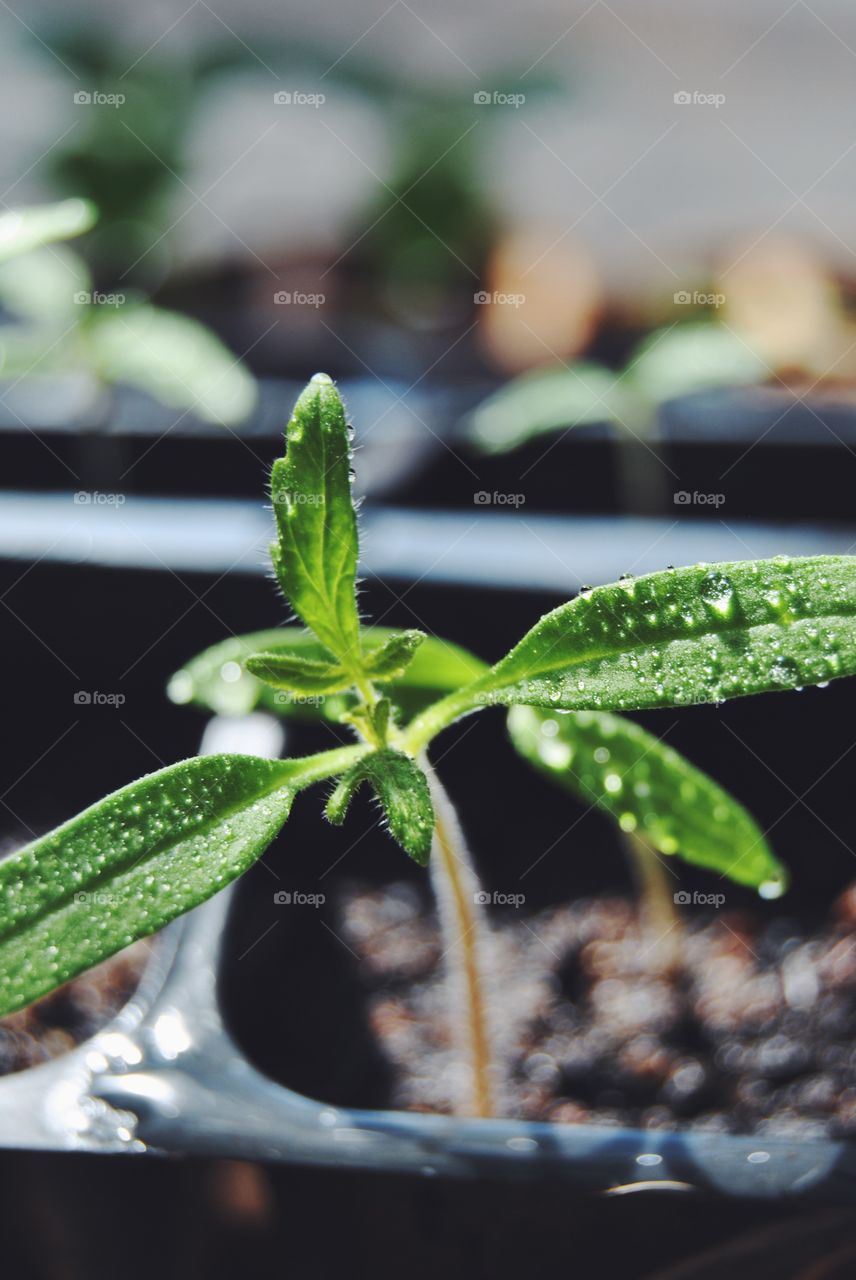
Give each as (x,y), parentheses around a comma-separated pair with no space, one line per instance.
(149,852)
(60,324)
(675,361)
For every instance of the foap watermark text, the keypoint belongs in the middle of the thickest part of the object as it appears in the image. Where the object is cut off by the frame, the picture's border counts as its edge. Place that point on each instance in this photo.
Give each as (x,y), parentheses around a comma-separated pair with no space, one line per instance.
(295,898)
(497,899)
(683,898)
(498,98)
(696,298)
(482,498)
(297,98)
(685,498)
(95,698)
(496,298)
(695,98)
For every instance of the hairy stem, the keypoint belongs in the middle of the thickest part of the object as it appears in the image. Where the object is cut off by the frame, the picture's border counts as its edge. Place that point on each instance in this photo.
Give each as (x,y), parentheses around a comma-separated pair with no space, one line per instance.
(657,903)
(463,929)
(434,719)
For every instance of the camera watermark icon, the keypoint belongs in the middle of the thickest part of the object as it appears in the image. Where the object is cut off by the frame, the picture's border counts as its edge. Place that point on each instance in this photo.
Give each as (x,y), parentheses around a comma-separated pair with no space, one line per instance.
(497,899)
(95,498)
(289,298)
(496,298)
(294,898)
(94,698)
(83,298)
(297,98)
(685,899)
(683,498)
(695,98)
(498,98)
(482,498)
(97,899)
(95,98)
(685,298)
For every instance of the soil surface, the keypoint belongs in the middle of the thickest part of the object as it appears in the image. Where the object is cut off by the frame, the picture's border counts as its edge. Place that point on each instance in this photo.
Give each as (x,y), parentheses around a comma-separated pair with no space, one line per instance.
(72,1013)
(754,1031)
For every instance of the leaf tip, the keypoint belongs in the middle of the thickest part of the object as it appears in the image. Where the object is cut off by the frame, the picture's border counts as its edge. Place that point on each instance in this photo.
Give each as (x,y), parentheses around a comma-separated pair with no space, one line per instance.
(340,798)
(775,885)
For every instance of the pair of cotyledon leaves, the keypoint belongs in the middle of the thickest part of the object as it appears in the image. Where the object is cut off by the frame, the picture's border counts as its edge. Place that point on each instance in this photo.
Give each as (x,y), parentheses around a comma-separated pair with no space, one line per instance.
(135,860)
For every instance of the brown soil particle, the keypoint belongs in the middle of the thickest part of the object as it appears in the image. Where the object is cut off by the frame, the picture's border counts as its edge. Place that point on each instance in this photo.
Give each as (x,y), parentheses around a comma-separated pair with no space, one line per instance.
(72,1013)
(756,1033)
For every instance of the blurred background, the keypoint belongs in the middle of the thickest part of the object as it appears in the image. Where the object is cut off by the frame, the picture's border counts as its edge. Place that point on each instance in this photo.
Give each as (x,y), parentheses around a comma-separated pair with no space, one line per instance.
(585,273)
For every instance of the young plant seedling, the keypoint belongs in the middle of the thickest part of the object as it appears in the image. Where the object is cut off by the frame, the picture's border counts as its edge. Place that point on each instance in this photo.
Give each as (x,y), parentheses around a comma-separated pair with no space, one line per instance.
(53,318)
(149,852)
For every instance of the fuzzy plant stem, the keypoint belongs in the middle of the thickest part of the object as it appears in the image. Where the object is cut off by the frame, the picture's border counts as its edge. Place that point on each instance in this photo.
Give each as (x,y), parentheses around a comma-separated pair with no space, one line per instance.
(660,917)
(464,933)
(640,473)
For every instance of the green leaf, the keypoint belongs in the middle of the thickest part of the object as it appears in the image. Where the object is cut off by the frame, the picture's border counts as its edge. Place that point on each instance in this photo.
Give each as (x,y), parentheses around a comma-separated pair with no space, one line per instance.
(316,559)
(372,721)
(692,357)
(649,789)
(134,861)
(671,363)
(218,681)
(402,789)
(390,660)
(546,400)
(24,229)
(700,634)
(44,288)
(172,357)
(297,673)
(294,671)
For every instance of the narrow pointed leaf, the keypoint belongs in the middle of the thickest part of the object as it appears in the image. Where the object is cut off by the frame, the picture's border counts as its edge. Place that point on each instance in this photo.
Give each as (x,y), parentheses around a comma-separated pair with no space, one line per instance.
(172,357)
(546,400)
(340,798)
(689,358)
(131,863)
(217,680)
(700,634)
(649,789)
(24,229)
(296,673)
(392,658)
(316,557)
(402,789)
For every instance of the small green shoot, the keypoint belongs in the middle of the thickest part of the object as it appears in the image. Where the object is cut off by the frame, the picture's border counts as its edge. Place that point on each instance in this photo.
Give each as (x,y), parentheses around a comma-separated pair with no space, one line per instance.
(156,848)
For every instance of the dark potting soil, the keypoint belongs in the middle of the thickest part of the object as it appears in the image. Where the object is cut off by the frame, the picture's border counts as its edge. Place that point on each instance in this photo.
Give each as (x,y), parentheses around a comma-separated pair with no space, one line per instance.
(72,1013)
(754,1032)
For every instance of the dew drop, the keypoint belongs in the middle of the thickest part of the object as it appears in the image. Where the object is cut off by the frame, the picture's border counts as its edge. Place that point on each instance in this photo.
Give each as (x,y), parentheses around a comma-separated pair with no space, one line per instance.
(784,671)
(717,592)
(180,687)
